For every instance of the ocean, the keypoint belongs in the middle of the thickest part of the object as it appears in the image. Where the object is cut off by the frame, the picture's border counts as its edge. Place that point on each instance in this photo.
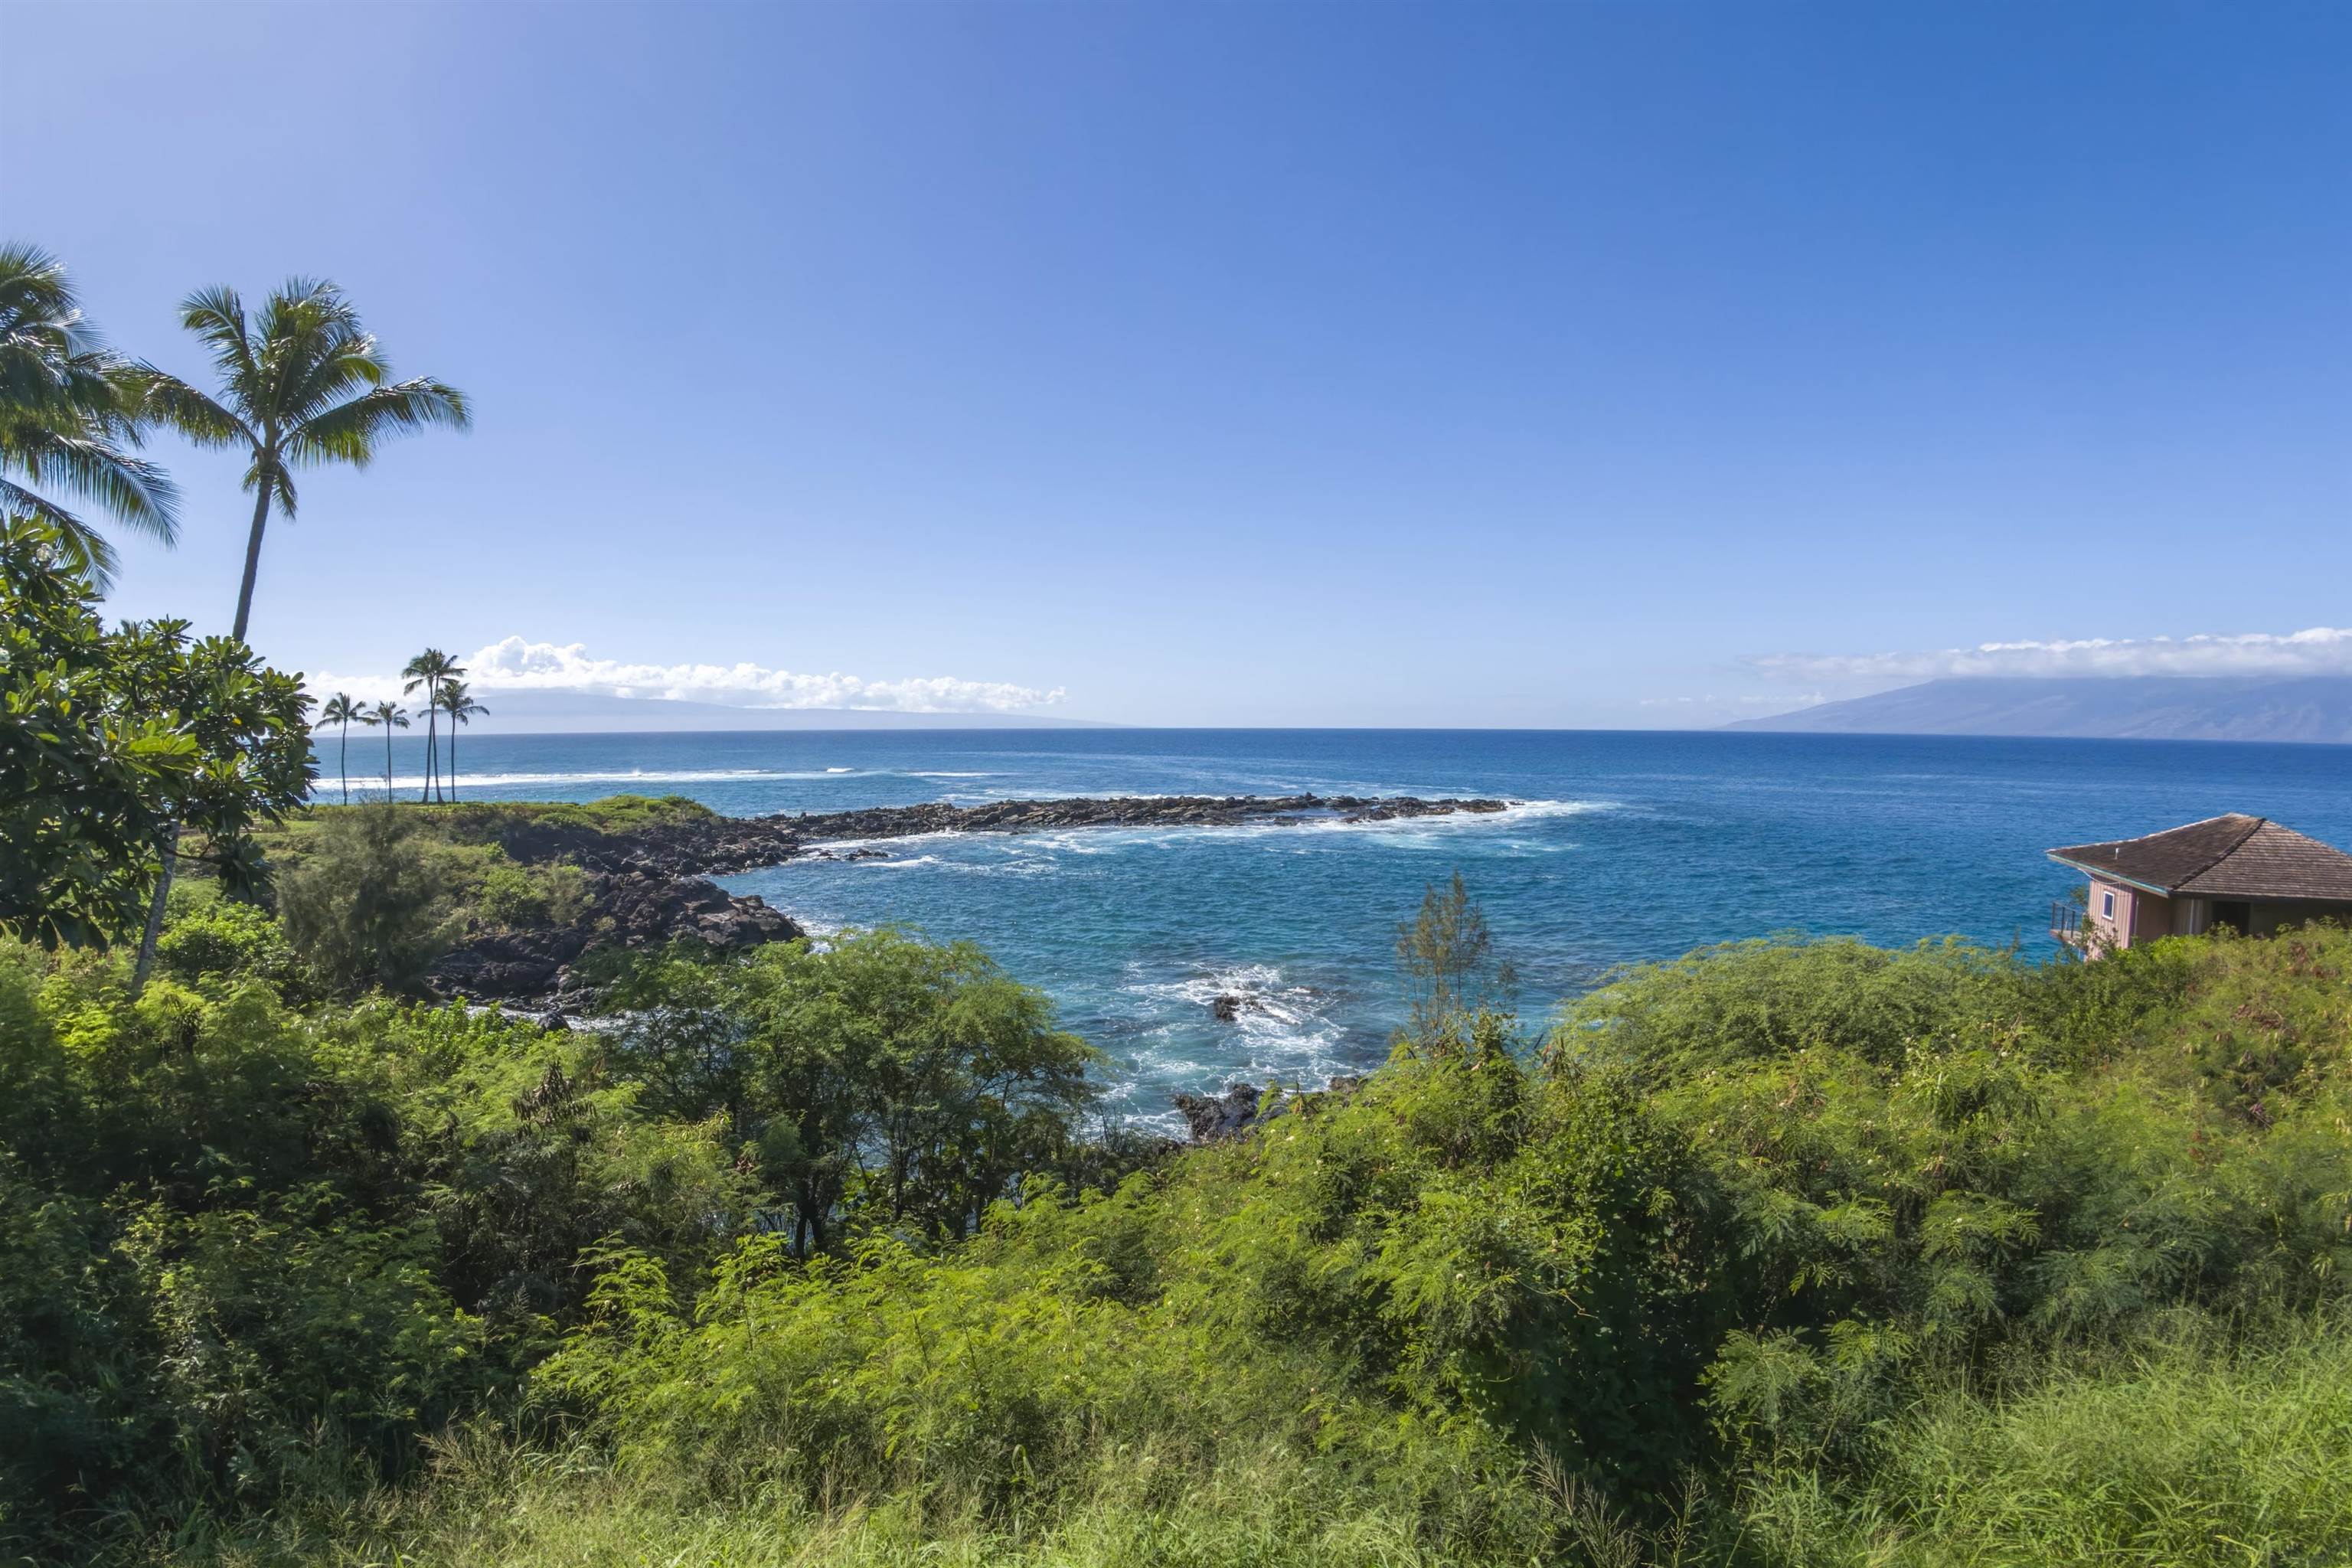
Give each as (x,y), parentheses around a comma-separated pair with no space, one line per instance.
(1624,846)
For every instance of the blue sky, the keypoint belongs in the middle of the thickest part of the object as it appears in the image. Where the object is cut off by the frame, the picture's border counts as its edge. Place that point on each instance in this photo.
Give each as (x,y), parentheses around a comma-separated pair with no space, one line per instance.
(1254,364)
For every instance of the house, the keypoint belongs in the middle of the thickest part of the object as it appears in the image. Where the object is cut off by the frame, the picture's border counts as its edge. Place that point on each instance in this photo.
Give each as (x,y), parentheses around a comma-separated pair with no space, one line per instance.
(2244,872)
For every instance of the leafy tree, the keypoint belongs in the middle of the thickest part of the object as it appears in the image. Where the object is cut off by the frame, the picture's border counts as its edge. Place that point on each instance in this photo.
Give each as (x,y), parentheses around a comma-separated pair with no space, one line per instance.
(110,742)
(302,385)
(339,711)
(429,670)
(70,413)
(462,708)
(388,716)
(880,1082)
(365,909)
(1446,956)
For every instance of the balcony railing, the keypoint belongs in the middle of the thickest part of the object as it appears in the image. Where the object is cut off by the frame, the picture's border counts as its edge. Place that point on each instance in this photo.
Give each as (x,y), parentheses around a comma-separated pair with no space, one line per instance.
(2066,921)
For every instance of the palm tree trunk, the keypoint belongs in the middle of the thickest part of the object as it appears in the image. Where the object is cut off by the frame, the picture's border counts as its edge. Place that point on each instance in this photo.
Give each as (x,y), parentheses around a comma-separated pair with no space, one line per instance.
(154,927)
(432,752)
(252,556)
(387,764)
(344,762)
(453,759)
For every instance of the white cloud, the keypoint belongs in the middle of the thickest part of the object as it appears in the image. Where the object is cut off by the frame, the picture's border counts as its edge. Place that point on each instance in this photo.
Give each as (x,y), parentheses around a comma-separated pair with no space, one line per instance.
(2319,650)
(515,665)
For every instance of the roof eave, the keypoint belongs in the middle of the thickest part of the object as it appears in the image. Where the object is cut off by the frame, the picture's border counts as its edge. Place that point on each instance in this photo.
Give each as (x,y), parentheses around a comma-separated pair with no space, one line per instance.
(2108,874)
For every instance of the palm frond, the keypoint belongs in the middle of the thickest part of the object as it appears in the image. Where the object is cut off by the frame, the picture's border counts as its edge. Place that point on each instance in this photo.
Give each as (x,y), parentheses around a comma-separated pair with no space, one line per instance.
(137,491)
(305,323)
(36,298)
(348,433)
(336,368)
(158,397)
(218,317)
(83,549)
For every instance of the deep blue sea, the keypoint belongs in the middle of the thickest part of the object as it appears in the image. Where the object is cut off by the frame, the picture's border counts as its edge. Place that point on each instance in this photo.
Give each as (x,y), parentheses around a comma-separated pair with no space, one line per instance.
(1628,846)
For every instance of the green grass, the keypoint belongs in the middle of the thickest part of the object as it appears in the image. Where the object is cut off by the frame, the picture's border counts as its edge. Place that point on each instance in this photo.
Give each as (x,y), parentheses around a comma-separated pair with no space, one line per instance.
(2180,1453)
(2181,1456)
(471,823)
(494,1505)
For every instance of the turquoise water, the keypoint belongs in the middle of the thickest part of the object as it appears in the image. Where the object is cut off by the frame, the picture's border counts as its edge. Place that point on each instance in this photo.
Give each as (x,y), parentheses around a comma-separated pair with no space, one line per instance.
(1629,847)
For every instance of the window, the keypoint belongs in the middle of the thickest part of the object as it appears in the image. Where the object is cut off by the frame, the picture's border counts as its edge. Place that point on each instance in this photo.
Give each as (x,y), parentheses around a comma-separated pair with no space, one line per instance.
(2108,906)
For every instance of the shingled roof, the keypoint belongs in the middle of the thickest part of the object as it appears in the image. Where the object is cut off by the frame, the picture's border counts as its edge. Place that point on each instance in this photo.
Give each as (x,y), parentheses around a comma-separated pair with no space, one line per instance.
(2231,857)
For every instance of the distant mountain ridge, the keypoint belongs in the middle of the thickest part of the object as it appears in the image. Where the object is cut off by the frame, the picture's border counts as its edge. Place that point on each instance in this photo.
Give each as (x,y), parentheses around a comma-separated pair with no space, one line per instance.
(2311,708)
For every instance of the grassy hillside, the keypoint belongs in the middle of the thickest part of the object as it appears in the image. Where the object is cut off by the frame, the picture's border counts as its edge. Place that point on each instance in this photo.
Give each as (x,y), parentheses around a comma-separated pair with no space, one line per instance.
(473,828)
(1782,1254)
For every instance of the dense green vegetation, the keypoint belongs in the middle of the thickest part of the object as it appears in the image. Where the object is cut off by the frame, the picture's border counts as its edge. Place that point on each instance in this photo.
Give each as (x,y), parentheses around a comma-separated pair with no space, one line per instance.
(1785,1254)
(1781,1254)
(112,742)
(372,894)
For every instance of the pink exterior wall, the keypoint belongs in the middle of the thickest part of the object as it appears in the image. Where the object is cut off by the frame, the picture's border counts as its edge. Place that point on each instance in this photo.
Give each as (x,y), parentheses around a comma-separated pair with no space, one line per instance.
(2138,917)
(2143,916)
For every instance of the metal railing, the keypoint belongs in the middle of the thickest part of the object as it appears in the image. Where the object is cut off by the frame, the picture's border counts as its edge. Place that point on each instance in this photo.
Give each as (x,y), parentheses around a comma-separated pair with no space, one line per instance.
(2067,920)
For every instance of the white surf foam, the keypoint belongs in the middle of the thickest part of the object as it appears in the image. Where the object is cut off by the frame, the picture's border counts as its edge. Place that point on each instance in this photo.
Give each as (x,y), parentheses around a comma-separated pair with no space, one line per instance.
(1279,1027)
(375,781)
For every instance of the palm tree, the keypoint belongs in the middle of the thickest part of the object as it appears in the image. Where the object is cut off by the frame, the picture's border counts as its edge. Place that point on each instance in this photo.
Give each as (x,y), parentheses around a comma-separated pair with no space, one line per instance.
(429,670)
(342,709)
(391,716)
(68,417)
(300,387)
(460,704)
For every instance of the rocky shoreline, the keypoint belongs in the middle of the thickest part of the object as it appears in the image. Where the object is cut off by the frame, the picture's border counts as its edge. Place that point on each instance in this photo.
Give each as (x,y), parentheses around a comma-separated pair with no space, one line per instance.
(651,885)
(722,846)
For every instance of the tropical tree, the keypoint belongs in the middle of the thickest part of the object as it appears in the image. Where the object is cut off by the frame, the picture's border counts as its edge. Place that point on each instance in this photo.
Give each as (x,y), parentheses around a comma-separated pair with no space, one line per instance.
(340,710)
(1447,958)
(460,704)
(428,670)
(391,716)
(69,418)
(300,385)
(112,742)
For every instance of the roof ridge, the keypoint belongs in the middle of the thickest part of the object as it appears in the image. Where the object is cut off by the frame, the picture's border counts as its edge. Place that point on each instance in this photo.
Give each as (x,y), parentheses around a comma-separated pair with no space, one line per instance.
(2235,845)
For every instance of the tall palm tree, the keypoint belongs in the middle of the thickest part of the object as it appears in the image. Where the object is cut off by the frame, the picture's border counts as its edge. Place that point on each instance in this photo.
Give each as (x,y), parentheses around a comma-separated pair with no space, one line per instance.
(429,670)
(300,385)
(460,704)
(342,709)
(69,416)
(391,716)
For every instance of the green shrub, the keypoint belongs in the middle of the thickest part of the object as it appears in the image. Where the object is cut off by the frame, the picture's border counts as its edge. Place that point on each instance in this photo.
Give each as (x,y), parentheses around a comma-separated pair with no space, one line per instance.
(517,898)
(222,941)
(1787,1253)
(363,909)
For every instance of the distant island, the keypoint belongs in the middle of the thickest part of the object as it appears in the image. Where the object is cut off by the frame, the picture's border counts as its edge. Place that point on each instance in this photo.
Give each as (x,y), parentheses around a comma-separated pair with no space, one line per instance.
(2314,707)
